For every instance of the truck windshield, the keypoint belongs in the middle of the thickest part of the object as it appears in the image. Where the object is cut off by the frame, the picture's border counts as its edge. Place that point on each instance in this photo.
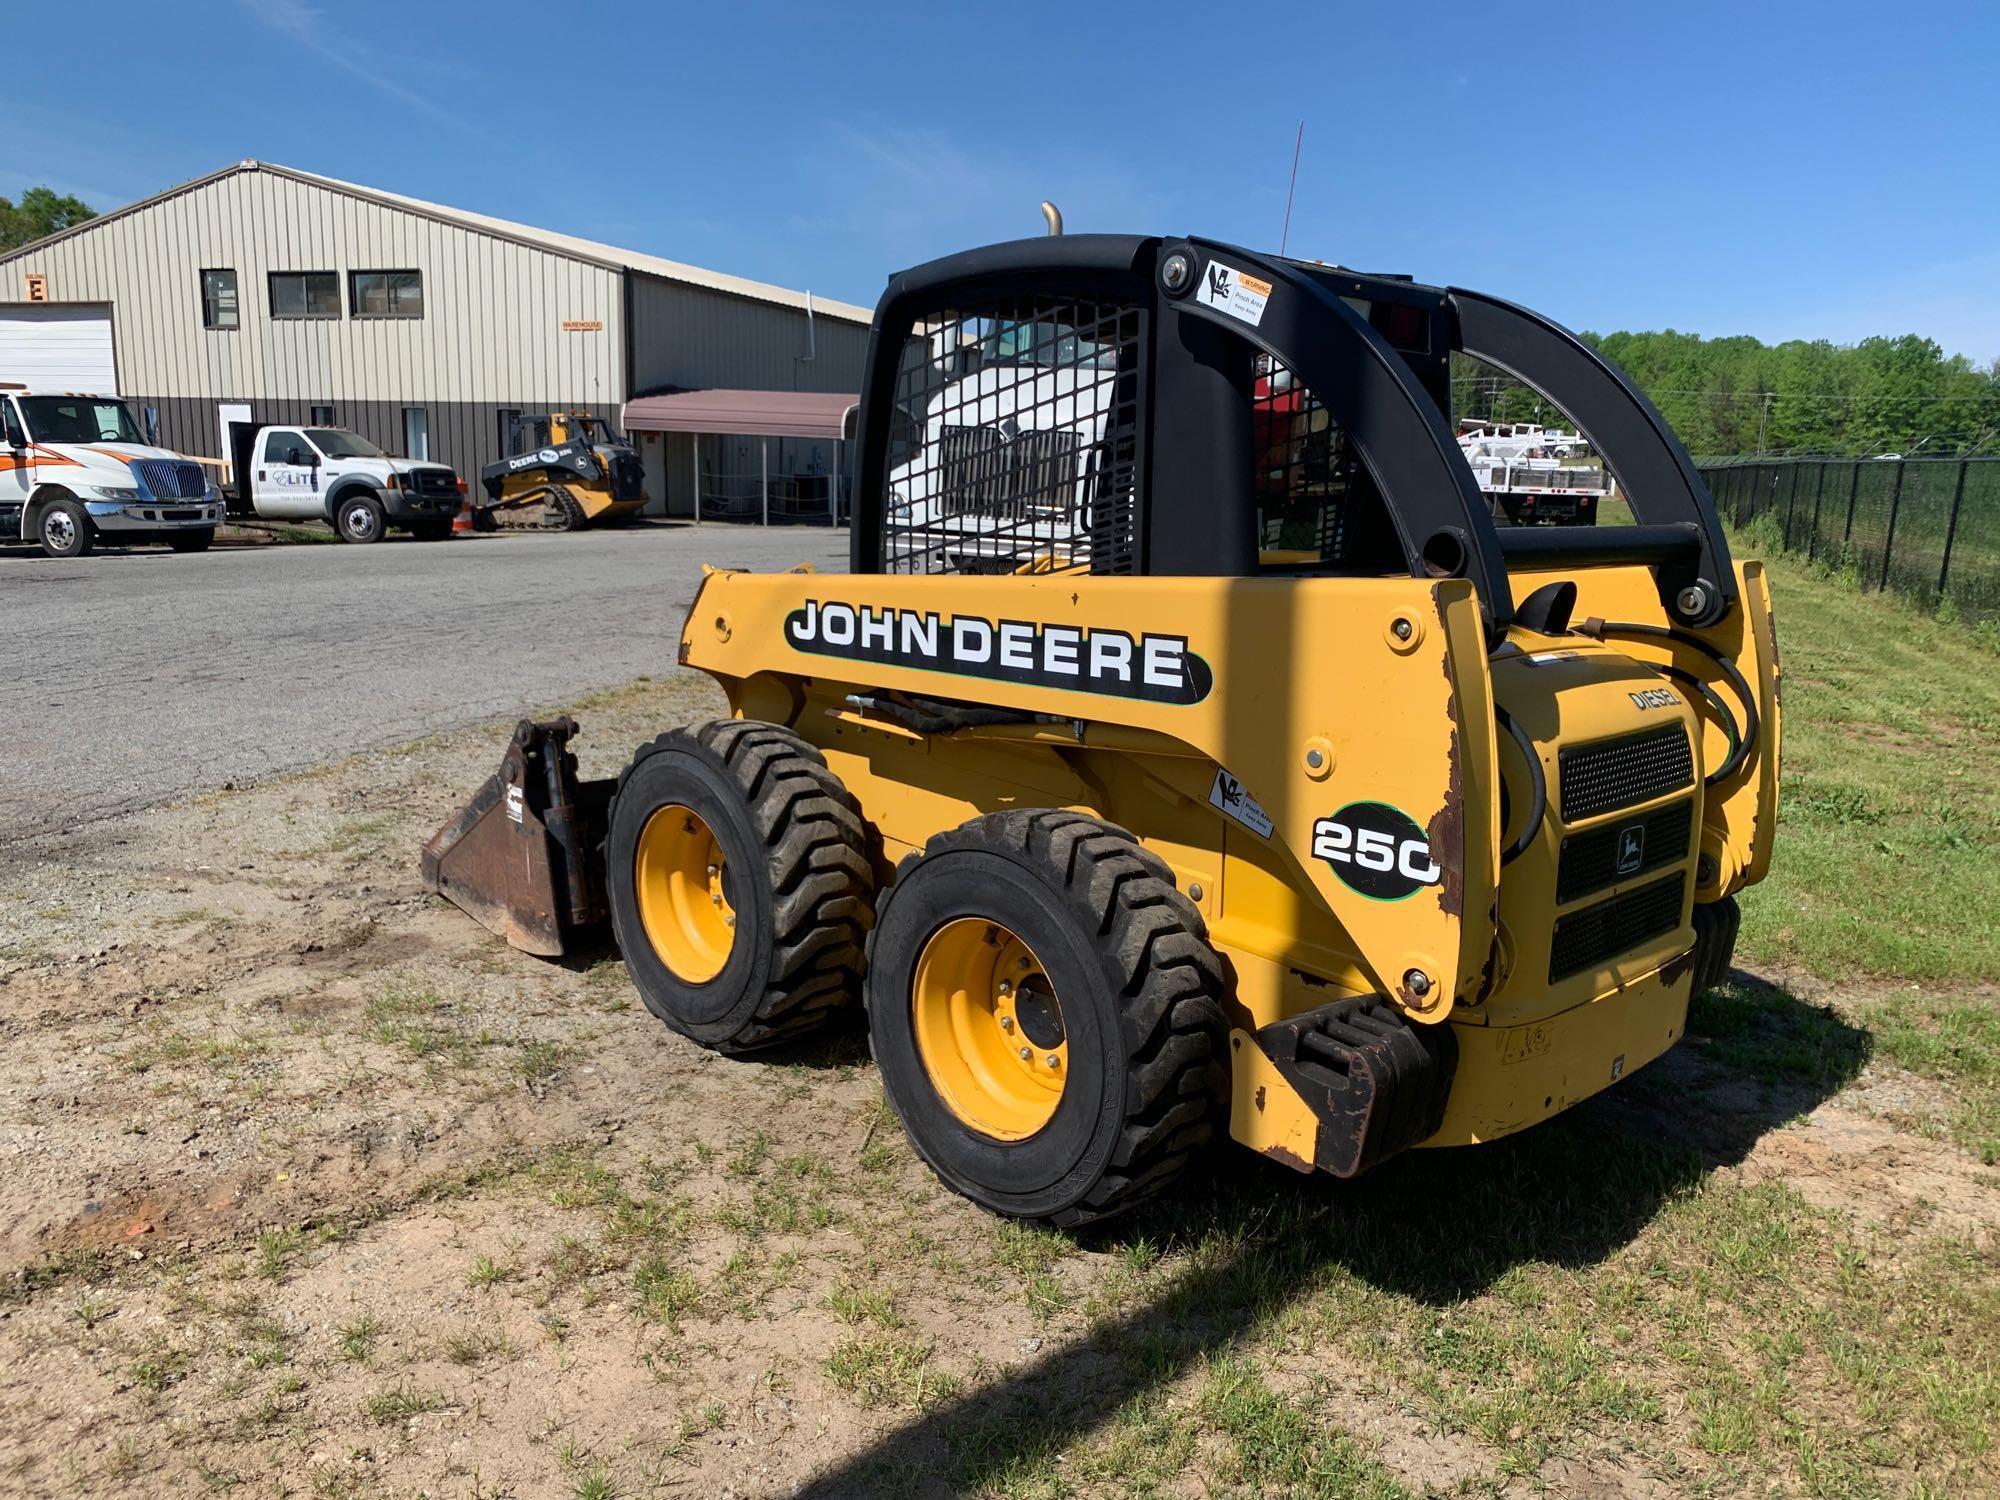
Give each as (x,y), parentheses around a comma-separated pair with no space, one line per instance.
(337,442)
(79,419)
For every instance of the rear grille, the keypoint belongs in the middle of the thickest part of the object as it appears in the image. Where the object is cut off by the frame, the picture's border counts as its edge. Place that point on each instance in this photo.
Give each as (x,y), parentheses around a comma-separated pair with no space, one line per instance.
(1610,774)
(1585,939)
(1617,851)
(171,479)
(628,477)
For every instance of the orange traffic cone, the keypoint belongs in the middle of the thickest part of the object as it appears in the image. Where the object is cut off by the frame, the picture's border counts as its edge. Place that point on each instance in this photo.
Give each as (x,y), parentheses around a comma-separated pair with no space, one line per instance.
(461,524)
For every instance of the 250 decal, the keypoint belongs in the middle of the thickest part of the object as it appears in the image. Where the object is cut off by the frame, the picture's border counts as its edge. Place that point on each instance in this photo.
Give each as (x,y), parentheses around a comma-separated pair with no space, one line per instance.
(1377,850)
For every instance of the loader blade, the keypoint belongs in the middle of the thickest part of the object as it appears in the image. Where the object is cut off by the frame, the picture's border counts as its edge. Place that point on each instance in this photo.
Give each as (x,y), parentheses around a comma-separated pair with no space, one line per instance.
(521,857)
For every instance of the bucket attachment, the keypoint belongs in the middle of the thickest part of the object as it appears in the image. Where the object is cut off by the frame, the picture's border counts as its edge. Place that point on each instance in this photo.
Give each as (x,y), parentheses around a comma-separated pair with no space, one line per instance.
(525,856)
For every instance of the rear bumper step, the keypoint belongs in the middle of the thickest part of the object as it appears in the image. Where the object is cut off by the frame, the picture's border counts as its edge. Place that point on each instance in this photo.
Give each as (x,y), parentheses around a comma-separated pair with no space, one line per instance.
(1376,1083)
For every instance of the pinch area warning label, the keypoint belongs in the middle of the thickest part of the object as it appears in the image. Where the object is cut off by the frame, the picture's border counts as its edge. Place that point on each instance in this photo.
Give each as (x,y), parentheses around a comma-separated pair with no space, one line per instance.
(1237,293)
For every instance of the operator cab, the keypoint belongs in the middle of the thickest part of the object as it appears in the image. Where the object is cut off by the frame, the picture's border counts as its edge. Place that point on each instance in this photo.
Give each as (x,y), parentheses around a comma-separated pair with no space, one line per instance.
(1123,405)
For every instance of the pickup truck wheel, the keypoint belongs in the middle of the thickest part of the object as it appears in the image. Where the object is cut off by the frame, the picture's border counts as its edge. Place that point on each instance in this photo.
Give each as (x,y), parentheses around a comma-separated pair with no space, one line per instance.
(66,530)
(359,519)
(191,541)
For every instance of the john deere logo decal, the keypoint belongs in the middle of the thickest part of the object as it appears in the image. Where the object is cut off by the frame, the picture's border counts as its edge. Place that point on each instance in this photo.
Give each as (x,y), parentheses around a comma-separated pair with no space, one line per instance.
(1156,668)
(1631,848)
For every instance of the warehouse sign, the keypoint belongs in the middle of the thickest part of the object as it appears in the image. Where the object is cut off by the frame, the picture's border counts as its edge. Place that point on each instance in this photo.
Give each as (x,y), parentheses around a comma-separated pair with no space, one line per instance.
(583,325)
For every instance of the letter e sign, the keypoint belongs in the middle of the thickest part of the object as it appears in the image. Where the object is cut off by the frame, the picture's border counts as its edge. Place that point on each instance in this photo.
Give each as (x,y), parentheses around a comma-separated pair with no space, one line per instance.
(38,287)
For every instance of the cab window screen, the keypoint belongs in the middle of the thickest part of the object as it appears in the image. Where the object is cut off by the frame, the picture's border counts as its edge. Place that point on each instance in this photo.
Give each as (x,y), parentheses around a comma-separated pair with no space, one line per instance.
(1014,442)
(1318,508)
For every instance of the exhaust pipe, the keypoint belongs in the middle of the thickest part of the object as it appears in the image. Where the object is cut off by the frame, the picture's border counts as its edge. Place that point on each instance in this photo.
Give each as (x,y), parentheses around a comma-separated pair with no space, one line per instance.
(1052,216)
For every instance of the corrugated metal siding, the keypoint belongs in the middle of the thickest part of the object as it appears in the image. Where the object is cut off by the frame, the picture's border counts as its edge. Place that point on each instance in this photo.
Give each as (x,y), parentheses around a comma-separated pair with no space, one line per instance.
(694,338)
(491,330)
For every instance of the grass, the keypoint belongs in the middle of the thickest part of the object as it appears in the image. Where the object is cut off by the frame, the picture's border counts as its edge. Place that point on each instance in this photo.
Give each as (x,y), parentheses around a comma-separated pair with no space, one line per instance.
(399,1403)
(1889,821)
(1957,1042)
(889,1368)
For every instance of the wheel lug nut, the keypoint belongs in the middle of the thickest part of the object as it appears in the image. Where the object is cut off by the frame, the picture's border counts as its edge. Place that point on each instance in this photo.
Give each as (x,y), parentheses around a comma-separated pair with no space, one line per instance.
(729,921)
(1054,1061)
(1026,1053)
(1021,963)
(1006,1023)
(713,871)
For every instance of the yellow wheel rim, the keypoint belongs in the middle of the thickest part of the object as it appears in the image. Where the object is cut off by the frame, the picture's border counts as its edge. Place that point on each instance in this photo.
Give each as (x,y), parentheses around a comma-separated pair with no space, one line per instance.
(678,871)
(989,1028)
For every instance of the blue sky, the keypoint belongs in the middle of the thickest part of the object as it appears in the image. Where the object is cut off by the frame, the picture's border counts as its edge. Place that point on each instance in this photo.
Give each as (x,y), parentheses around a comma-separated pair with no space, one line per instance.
(1786,170)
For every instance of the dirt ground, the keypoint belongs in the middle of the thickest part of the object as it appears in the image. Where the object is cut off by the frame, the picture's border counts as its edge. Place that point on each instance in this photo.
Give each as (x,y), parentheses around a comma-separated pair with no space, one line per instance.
(312,1187)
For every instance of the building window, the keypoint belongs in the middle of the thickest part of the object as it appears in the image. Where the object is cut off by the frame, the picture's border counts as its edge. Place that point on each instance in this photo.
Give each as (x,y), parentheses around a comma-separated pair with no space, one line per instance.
(385,294)
(416,432)
(305,294)
(218,299)
(322,416)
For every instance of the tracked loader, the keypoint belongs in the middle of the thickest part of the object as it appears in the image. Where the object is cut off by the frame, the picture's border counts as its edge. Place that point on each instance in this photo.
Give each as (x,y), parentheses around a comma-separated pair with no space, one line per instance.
(562,472)
(1170,766)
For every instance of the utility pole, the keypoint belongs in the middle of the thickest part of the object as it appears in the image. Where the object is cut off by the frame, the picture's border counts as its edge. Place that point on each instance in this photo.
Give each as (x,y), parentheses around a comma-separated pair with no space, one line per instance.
(1763,417)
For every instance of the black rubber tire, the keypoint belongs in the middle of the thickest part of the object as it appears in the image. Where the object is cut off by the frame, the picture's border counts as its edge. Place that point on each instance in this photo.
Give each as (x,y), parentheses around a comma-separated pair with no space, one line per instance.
(1716,924)
(799,878)
(430,531)
(350,507)
(1140,989)
(191,541)
(82,535)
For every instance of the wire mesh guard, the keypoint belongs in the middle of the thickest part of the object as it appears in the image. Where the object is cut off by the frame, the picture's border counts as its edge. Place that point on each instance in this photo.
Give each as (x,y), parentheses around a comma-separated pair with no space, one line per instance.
(1317,505)
(1015,443)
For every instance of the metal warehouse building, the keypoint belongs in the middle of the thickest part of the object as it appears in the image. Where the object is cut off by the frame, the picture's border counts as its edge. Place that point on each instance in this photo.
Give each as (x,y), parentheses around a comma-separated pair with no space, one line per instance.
(306,300)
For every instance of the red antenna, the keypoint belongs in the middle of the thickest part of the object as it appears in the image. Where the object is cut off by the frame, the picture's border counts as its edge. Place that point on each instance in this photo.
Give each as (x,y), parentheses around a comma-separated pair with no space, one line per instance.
(1285,238)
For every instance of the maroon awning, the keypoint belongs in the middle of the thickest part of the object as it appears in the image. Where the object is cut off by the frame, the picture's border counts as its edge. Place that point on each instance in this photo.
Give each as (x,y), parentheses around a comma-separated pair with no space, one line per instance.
(806,414)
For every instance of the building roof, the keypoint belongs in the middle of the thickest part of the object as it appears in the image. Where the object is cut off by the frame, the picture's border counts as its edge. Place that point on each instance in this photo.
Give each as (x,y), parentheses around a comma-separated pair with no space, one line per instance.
(608,256)
(806,414)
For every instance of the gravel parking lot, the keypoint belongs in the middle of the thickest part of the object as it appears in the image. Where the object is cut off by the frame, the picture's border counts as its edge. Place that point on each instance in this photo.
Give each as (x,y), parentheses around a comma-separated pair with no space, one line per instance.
(131,676)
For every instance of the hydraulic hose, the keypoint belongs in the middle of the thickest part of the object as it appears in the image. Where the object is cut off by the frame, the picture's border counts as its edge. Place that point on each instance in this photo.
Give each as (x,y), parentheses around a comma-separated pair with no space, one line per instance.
(1747,739)
(1538,806)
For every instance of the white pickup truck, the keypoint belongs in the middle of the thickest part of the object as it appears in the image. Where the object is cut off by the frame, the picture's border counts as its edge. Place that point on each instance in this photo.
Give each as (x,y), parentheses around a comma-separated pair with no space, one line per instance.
(76,468)
(340,477)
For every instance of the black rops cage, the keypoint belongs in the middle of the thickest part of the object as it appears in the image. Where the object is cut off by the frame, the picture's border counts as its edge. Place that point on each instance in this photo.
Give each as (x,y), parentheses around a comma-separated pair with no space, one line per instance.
(1117,404)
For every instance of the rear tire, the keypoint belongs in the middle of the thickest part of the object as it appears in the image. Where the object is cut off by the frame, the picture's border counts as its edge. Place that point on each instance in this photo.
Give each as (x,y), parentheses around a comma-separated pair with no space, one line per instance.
(191,541)
(1716,924)
(65,529)
(1126,965)
(358,519)
(740,886)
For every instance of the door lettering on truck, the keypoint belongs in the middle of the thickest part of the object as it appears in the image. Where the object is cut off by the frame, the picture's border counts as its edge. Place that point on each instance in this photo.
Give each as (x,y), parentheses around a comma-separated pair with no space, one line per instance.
(1156,668)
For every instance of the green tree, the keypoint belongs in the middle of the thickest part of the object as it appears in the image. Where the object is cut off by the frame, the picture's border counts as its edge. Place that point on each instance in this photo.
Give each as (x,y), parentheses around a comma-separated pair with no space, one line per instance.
(41,211)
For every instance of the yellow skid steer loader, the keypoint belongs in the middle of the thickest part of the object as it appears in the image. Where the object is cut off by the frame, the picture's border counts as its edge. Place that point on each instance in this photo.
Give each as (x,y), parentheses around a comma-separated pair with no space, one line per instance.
(1187,752)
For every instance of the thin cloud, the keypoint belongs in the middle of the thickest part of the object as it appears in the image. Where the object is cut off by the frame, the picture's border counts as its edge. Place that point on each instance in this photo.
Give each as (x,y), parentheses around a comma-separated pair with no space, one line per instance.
(304,24)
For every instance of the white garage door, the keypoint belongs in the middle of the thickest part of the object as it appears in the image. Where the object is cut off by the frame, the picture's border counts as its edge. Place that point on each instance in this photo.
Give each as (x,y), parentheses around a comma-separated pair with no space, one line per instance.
(58,347)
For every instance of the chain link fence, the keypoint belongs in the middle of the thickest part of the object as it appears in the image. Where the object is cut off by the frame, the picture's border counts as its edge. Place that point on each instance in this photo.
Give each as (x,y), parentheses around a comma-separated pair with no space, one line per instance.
(1925,527)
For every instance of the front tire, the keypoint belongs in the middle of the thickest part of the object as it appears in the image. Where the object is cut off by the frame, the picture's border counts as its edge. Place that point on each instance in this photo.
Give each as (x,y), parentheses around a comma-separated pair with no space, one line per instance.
(740,886)
(191,541)
(66,530)
(1059,936)
(358,519)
